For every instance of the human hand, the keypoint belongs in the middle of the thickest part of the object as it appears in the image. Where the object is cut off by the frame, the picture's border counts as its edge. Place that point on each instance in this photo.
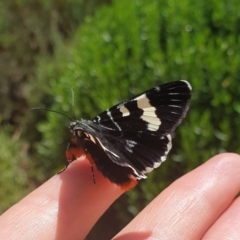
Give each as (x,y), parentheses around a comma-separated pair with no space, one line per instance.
(199,205)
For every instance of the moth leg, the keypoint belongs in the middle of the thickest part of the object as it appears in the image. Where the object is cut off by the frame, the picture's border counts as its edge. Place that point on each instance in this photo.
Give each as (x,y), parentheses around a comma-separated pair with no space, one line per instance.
(72,153)
(89,157)
(93,175)
(69,152)
(62,170)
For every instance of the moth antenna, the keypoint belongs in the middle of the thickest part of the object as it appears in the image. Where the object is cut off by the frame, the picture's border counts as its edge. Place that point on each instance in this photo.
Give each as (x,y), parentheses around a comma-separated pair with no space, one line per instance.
(48,110)
(73,114)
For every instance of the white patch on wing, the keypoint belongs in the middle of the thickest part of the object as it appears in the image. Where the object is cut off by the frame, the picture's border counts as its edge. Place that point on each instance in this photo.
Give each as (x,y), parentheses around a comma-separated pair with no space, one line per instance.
(140,97)
(169,146)
(174,93)
(98,119)
(153,122)
(150,111)
(130,144)
(155,165)
(175,106)
(148,169)
(152,127)
(188,84)
(149,114)
(124,111)
(163,158)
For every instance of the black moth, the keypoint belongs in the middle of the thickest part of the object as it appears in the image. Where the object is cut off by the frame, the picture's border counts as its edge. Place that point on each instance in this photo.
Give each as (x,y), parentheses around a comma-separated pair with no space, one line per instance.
(133,137)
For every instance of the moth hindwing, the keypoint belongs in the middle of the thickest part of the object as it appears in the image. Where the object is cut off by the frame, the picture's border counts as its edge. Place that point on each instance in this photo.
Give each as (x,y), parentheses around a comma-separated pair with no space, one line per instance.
(133,137)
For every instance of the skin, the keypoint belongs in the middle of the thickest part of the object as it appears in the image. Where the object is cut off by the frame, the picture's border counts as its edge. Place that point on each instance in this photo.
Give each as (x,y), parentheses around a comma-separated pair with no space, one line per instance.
(200,205)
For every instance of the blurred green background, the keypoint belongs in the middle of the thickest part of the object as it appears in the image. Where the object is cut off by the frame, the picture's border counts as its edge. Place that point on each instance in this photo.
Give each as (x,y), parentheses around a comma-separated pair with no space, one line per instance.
(108,51)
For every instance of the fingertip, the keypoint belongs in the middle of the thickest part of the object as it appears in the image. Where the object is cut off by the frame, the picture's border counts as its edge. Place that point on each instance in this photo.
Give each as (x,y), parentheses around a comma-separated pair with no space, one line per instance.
(81,202)
(227,156)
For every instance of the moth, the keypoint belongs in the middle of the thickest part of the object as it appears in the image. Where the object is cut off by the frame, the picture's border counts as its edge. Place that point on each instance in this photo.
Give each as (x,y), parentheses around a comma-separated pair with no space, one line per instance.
(133,137)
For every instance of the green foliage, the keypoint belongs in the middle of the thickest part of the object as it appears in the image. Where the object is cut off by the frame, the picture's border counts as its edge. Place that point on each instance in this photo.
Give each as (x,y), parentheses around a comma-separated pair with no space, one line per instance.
(29,30)
(14,164)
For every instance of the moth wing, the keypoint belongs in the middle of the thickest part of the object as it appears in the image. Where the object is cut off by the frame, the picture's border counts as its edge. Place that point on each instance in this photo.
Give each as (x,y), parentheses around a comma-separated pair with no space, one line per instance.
(141,154)
(157,111)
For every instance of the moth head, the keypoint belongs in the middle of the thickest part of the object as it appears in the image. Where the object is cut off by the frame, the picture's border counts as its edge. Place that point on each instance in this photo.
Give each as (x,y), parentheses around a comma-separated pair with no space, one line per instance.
(72,125)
